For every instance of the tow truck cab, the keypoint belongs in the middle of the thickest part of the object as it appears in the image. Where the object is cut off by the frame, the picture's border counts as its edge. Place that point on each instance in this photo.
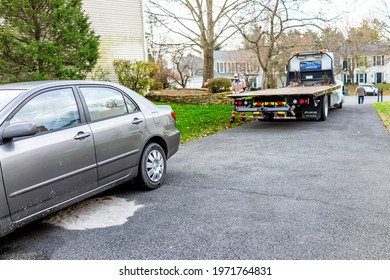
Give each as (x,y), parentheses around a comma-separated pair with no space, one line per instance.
(311,68)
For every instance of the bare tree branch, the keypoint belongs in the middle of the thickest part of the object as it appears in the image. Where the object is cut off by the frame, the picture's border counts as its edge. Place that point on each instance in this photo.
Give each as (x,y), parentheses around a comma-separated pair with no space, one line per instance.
(201,22)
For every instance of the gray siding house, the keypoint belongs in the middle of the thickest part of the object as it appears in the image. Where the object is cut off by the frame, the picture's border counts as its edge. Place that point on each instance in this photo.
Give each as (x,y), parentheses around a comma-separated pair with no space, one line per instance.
(120,25)
(226,63)
(243,62)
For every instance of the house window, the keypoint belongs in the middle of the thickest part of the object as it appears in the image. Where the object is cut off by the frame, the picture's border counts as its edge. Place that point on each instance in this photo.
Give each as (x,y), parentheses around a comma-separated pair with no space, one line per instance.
(221,68)
(254,84)
(361,78)
(379,78)
(379,60)
(362,61)
(347,79)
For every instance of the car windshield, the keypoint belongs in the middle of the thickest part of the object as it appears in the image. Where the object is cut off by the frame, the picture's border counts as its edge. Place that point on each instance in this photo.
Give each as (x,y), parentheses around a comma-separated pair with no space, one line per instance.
(6,96)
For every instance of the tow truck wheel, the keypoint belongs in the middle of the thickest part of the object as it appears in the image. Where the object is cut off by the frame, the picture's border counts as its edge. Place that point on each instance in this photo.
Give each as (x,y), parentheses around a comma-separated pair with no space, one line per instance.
(324,107)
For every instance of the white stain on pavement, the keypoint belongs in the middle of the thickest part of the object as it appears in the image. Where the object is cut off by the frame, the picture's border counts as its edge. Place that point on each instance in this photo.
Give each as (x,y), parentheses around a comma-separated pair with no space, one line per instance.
(95,213)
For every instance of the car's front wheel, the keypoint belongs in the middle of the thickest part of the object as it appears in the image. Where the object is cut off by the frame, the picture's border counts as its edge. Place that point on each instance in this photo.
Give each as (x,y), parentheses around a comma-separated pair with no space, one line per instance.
(152,167)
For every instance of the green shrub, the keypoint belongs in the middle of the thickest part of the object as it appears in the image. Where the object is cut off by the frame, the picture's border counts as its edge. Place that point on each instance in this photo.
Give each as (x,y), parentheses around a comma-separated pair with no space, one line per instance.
(219,85)
(137,75)
(157,86)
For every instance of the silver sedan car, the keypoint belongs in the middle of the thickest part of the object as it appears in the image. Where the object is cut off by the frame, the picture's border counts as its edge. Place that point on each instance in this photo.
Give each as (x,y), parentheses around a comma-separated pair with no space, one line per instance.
(64,141)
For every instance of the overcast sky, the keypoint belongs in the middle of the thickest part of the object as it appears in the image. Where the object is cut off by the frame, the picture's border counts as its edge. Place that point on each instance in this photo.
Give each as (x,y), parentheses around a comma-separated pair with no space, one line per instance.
(351,13)
(355,10)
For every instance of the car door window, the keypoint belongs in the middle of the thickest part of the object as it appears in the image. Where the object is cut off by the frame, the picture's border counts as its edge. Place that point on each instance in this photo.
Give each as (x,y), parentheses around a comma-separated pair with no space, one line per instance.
(50,110)
(131,107)
(103,103)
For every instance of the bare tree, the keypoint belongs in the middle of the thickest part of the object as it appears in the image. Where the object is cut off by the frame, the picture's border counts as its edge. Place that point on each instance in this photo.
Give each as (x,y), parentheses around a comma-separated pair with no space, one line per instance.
(184,67)
(158,50)
(332,39)
(203,23)
(383,16)
(271,20)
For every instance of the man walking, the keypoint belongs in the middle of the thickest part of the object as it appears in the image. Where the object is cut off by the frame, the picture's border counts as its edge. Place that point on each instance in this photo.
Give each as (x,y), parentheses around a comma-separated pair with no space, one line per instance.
(360,92)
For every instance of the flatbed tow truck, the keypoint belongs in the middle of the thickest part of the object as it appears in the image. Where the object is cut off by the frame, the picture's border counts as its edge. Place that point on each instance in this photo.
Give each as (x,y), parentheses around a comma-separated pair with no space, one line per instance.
(311,91)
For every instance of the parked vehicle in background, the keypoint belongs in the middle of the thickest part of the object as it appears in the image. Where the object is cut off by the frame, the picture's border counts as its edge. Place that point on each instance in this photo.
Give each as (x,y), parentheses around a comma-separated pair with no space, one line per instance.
(64,141)
(370,89)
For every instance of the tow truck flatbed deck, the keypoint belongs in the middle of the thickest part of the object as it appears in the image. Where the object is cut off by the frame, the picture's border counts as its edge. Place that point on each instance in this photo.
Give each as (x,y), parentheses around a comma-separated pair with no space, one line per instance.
(298,90)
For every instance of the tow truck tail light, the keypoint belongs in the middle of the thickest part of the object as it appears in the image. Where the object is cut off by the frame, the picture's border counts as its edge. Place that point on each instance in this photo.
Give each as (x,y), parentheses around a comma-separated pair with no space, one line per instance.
(304,101)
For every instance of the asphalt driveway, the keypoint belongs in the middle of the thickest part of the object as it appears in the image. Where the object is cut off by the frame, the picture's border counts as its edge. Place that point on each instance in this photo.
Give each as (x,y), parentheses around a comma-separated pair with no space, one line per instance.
(265,190)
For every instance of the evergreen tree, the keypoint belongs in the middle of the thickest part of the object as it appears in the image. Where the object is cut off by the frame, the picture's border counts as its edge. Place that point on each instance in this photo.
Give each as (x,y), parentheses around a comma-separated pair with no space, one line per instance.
(45,39)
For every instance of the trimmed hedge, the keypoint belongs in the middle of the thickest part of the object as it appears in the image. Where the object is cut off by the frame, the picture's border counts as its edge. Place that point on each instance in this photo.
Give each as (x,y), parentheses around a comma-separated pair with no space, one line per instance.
(219,84)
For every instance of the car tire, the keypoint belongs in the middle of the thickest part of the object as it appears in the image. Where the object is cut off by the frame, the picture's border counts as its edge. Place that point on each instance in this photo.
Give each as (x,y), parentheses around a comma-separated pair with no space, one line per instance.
(152,167)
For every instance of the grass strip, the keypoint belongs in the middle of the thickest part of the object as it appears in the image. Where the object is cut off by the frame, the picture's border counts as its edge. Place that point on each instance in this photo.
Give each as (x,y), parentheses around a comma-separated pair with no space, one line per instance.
(198,121)
(383,109)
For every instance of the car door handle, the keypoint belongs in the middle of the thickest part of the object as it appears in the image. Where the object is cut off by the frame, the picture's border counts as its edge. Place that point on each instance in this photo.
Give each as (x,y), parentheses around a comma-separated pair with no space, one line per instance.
(137,121)
(82,135)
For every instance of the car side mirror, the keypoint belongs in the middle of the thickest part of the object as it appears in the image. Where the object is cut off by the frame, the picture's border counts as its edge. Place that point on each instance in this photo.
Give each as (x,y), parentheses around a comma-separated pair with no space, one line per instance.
(19,129)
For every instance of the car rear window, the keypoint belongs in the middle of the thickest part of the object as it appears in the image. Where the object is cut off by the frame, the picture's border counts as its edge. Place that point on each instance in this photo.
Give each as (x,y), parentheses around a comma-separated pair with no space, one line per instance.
(103,102)
(6,96)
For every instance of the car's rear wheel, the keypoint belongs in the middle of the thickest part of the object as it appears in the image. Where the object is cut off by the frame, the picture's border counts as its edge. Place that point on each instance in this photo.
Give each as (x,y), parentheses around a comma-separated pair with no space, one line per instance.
(152,167)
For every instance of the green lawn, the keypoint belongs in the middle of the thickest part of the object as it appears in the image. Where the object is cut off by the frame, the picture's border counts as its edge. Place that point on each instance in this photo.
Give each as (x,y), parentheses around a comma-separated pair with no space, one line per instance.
(197,121)
(383,109)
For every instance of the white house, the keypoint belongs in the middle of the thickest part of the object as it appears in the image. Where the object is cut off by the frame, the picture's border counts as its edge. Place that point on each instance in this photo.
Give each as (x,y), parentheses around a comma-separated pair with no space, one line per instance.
(373,66)
(120,25)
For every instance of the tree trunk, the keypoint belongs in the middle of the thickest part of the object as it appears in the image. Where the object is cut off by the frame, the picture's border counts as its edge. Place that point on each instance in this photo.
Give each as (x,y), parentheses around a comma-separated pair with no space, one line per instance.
(208,63)
(264,81)
(208,44)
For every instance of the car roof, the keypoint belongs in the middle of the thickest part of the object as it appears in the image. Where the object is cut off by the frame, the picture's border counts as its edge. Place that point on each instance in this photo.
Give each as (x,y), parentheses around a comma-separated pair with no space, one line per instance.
(368,85)
(38,84)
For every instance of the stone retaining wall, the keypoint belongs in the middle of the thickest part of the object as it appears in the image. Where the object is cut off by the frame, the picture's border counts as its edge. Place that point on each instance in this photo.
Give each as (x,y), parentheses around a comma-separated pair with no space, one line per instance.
(187,98)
